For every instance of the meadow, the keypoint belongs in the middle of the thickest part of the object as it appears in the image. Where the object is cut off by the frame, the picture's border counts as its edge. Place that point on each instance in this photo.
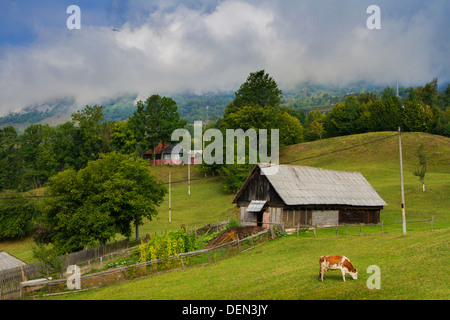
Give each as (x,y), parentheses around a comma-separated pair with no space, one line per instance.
(412,266)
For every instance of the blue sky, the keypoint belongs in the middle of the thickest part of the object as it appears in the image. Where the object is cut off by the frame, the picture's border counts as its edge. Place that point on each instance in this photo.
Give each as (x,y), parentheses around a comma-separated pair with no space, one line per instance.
(164,46)
(19,18)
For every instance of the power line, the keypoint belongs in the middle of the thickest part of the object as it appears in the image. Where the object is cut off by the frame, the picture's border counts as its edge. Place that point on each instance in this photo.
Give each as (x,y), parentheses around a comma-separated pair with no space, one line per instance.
(339,150)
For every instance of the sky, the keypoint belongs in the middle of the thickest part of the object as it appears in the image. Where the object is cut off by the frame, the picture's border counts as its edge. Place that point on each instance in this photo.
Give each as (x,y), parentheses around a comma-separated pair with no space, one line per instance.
(168,46)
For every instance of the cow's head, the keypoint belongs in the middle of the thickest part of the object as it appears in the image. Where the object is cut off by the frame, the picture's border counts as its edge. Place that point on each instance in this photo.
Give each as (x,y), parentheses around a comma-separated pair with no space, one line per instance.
(354,275)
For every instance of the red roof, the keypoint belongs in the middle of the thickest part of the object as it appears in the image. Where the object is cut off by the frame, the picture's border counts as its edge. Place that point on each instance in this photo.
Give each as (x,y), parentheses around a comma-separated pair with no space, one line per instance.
(158,149)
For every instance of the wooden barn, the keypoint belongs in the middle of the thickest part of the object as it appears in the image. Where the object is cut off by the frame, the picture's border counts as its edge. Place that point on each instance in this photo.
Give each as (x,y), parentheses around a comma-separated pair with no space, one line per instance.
(307,196)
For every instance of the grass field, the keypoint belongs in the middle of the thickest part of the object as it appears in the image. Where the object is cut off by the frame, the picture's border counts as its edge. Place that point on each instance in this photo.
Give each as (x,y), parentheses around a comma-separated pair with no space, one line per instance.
(290,265)
(412,267)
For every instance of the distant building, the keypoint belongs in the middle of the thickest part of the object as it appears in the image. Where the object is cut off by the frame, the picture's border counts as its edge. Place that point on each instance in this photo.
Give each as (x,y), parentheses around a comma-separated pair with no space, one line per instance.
(8,261)
(307,196)
(172,159)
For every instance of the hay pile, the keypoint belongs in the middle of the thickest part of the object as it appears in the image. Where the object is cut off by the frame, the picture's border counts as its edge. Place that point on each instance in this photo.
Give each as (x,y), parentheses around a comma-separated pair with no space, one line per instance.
(232,234)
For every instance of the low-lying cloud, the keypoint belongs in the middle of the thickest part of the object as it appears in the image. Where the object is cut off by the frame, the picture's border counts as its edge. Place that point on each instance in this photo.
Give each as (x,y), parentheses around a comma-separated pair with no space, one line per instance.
(169,47)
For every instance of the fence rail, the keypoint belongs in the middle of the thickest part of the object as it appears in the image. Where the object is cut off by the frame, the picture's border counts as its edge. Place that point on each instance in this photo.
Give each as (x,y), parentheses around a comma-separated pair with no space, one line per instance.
(10,279)
(381,225)
(175,262)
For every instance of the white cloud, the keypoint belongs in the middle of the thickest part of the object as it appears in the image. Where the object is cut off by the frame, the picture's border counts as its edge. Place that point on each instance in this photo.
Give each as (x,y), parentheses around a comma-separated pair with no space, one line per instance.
(187,48)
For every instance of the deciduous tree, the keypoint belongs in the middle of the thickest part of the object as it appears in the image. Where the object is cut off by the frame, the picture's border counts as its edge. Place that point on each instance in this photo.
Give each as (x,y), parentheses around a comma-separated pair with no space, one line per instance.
(107,197)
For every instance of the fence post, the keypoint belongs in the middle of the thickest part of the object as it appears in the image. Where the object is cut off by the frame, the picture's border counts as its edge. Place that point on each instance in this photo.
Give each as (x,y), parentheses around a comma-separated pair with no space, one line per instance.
(336,231)
(314,231)
(432,219)
(360,230)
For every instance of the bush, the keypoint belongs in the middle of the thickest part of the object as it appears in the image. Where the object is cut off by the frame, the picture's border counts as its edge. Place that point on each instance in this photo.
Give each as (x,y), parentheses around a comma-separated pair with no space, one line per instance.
(164,246)
(52,263)
(18,214)
(233,223)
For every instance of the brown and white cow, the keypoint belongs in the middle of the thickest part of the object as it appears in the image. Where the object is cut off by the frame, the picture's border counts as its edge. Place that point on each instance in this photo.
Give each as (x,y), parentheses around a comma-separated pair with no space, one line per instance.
(334,263)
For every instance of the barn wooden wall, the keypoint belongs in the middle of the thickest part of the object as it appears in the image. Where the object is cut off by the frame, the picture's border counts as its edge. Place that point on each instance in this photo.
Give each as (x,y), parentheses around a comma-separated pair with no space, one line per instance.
(292,217)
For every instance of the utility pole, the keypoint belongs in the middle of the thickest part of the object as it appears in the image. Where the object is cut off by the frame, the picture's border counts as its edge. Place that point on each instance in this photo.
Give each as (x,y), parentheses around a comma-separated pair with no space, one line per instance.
(170,204)
(189,174)
(401,181)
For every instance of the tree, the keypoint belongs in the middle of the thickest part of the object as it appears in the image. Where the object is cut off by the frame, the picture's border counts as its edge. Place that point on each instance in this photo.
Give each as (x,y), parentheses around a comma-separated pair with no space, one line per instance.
(343,118)
(17,214)
(259,89)
(35,148)
(257,105)
(89,121)
(107,197)
(428,94)
(169,121)
(10,160)
(154,121)
(122,138)
(423,166)
(444,98)
(65,148)
(315,125)
(416,117)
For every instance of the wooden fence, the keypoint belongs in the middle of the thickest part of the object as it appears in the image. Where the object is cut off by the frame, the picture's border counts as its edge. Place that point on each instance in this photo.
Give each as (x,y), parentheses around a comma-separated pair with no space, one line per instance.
(10,279)
(179,261)
(381,225)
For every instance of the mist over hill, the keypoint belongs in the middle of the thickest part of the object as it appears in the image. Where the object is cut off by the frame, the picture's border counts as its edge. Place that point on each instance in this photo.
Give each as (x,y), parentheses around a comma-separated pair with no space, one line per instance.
(208,106)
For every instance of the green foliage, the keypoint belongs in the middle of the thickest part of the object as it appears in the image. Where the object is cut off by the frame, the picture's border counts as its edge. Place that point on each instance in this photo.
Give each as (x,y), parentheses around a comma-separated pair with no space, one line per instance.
(52,262)
(10,161)
(105,198)
(89,121)
(122,138)
(423,165)
(233,223)
(18,214)
(257,105)
(235,175)
(154,121)
(164,246)
(259,89)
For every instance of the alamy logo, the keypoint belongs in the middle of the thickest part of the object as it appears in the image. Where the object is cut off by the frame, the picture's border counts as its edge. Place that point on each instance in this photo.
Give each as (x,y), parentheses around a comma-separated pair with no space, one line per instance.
(374,21)
(74,21)
(74,280)
(214,152)
(374,281)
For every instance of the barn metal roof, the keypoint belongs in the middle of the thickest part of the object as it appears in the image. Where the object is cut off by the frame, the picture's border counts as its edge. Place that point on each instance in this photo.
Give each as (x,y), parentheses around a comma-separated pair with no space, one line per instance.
(8,261)
(314,186)
(256,206)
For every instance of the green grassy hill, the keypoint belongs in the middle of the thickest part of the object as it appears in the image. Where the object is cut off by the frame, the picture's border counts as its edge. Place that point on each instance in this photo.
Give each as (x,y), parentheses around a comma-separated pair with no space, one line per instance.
(377,161)
(285,269)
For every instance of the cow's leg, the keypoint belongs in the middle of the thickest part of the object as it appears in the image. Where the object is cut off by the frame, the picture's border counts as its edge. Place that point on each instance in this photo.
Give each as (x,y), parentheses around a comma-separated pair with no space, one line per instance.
(322,270)
(343,274)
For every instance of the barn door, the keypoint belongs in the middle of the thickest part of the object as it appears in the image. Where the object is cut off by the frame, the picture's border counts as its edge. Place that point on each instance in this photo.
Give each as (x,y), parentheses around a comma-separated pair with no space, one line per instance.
(266,220)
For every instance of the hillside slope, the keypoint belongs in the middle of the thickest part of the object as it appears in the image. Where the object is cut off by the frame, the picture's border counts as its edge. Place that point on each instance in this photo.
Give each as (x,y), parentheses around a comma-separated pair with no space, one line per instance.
(377,161)
(376,156)
(287,269)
